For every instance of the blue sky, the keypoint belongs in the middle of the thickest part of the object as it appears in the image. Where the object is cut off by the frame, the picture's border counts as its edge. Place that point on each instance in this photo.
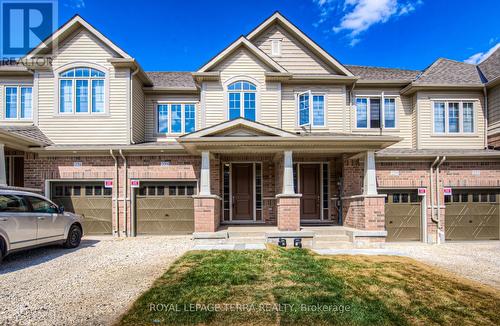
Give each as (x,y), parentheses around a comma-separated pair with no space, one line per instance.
(182,35)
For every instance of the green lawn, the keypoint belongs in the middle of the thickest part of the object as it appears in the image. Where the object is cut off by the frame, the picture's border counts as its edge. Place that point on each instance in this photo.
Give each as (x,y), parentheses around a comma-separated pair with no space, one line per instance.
(297,287)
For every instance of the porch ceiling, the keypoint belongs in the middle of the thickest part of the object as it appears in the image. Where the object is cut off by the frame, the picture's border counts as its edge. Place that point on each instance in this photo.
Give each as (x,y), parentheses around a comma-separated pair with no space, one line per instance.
(304,144)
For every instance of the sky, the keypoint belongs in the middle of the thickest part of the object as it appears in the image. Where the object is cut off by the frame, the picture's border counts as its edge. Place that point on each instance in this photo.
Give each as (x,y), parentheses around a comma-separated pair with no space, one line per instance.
(411,34)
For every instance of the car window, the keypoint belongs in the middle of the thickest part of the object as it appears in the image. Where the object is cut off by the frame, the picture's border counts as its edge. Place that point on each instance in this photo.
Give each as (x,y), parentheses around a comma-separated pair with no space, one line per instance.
(13,203)
(40,205)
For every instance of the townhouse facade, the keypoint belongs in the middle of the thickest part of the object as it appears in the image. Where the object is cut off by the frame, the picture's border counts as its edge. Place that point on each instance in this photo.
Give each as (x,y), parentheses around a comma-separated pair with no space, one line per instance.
(273,130)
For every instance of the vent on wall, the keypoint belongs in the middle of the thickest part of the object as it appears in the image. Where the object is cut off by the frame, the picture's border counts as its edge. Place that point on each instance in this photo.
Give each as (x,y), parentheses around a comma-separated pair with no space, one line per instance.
(276,47)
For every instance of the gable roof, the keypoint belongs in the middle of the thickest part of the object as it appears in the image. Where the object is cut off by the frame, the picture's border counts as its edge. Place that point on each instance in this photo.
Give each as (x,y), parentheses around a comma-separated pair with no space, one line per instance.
(490,68)
(450,72)
(242,42)
(239,123)
(379,73)
(67,29)
(28,134)
(277,17)
(177,80)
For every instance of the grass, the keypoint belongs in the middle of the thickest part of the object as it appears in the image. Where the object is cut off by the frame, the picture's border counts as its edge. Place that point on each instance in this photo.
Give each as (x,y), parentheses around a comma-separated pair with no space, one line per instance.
(288,287)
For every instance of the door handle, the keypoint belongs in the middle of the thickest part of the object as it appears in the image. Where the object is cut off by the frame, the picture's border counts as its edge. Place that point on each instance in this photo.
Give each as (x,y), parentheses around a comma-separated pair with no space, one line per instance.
(41,218)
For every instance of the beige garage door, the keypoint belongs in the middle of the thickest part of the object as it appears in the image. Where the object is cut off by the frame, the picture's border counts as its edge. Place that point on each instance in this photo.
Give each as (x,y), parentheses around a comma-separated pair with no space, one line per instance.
(165,208)
(89,199)
(402,216)
(472,215)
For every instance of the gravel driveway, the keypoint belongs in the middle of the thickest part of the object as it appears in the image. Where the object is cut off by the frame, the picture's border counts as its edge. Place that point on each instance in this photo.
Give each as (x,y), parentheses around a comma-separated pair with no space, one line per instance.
(479,261)
(93,284)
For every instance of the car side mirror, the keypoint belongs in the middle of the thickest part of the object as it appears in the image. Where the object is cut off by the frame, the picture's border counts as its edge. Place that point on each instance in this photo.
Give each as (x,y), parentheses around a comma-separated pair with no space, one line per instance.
(61,209)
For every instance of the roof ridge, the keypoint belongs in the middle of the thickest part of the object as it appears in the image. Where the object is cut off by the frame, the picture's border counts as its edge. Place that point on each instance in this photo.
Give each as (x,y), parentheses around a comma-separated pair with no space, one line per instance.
(378,67)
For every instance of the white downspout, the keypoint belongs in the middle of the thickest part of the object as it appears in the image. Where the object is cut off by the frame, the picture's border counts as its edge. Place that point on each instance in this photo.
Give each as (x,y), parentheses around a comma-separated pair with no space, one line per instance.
(131,104)
(438,201)
(125,195)
(115,196)
(485,92)
(431,188)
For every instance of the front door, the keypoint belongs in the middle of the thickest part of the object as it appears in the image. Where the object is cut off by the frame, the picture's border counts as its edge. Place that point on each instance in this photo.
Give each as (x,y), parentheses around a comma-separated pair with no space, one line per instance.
(242,191)
(310,190)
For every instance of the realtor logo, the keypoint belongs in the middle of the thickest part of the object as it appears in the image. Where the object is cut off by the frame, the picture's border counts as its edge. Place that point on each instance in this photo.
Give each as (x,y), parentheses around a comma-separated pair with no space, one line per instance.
(24,24)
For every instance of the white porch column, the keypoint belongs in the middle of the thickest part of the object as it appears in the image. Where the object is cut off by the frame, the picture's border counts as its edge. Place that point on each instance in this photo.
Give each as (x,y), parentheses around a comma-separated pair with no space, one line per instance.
(205,174)
(370,177)
(3,173)
(288,188)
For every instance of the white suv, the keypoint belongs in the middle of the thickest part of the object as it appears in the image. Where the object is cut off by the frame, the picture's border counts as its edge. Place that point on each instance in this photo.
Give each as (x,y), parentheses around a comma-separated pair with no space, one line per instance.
(29,220)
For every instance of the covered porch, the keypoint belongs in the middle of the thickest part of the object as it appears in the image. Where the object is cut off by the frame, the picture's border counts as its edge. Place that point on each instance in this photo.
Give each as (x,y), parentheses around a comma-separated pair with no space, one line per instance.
(253,174)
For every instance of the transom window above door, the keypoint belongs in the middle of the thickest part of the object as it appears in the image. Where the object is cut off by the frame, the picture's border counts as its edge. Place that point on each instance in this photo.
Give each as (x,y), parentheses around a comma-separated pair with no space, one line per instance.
(311,109)
(175,118)
(81,91)
(242,100)
(373,112)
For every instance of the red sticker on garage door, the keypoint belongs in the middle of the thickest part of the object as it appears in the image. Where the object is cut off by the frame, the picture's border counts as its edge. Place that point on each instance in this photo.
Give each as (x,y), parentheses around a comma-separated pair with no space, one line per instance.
(447,191)
(134,183)
(108,183)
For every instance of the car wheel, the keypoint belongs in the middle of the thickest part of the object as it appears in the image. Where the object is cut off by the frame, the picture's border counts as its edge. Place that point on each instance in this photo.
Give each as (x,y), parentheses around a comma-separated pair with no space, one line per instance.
(2,249)
(74,237)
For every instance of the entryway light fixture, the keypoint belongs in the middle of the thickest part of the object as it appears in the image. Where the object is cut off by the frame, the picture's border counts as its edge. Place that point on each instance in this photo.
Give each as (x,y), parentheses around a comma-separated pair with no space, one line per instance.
(282,242)
(297,243)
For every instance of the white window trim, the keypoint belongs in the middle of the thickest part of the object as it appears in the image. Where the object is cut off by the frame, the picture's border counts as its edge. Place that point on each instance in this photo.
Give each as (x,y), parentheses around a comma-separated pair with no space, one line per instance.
(57,90)
(460,117)
(382,108)
(257,96)
(311,109)
(18,103)
(169,115)
(242,101)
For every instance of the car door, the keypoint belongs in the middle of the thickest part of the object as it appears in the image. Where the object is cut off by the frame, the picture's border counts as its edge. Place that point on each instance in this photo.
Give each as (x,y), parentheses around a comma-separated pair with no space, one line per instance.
(50,223)
(17,221)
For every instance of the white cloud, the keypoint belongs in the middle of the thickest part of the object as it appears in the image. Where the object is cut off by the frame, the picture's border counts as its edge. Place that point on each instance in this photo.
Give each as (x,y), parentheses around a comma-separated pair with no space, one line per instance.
(75,4)
(357,16)
(481,56)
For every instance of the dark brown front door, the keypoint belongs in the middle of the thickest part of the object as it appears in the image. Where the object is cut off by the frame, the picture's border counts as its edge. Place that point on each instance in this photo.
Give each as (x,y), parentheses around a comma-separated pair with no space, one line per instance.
(310,190)
(242,188)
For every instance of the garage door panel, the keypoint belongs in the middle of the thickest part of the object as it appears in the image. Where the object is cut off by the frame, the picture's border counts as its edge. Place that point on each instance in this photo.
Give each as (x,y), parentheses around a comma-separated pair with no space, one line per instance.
(402,216)
(472,215)
(165,208)
(88,199)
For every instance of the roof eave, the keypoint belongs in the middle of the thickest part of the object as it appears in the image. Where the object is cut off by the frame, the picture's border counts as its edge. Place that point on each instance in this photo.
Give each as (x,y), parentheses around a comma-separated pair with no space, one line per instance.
(414,87)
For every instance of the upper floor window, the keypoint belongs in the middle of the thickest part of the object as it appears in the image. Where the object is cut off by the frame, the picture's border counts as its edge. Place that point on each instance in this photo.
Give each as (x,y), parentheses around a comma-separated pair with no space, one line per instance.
(311,109)
(242,100)
(18,102)
(81,90)
(453,117)
(370,113)
(175,118)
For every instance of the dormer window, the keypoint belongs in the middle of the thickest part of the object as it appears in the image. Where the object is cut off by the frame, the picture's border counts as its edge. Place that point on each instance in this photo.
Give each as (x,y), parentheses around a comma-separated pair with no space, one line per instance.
(276,47)
(241,97)
(81,91)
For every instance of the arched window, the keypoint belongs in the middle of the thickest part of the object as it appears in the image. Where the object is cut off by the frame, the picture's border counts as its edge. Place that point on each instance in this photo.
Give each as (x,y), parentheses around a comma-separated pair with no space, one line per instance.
(241,97)
(81,90)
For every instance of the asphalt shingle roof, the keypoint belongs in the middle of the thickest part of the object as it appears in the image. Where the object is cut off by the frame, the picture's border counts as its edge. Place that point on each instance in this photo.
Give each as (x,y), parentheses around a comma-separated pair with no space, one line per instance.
(379,73)
(172,79)
(491,66)
(408,152)
(31,132)
(446,71)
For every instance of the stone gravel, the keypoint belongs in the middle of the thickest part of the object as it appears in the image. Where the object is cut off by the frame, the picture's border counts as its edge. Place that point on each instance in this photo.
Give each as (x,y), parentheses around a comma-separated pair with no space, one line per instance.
(90,285)
(479,261)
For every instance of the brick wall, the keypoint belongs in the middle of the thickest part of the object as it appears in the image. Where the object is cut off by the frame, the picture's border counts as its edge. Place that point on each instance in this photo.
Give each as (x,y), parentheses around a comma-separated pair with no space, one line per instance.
(289,213)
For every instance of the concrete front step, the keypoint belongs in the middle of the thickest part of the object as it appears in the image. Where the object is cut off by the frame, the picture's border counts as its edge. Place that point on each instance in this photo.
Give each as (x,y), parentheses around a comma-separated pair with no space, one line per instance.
(330,237)
(328,231)
(332,244)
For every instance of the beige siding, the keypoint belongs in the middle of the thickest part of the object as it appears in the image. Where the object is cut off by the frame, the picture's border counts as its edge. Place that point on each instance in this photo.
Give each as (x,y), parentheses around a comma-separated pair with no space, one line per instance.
(245,66)
(110,128)
(414,122)
(494,110)
(404,116)
(138,112)
(295,57)
(429,140)
(151,103)
(334,102)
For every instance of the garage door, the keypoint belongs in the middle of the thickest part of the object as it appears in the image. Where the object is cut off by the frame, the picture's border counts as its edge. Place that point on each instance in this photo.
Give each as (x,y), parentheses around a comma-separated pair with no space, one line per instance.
(402,216)
(89,199)
(165,208)
(472,215)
